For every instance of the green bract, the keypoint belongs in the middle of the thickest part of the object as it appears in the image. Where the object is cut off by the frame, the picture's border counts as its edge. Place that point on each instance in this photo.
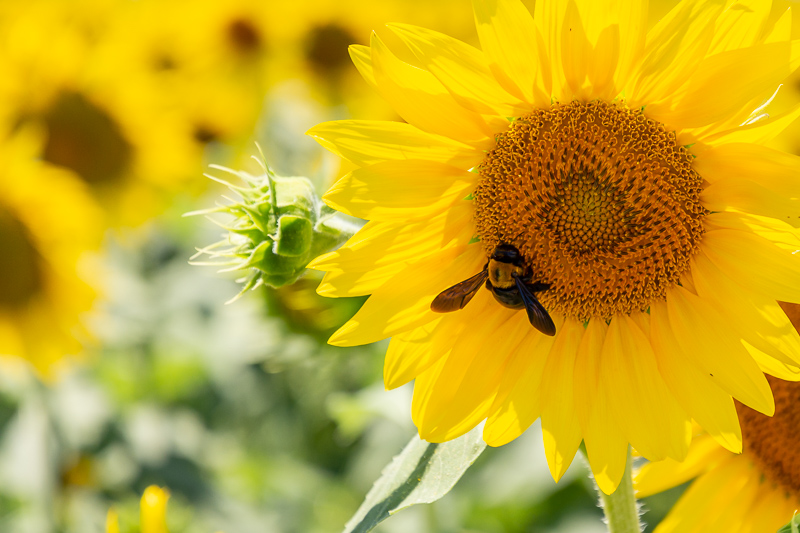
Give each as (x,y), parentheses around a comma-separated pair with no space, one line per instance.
(279,225)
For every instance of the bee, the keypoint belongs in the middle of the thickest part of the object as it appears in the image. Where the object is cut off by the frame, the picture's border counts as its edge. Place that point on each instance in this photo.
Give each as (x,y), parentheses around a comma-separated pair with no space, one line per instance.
(509,279)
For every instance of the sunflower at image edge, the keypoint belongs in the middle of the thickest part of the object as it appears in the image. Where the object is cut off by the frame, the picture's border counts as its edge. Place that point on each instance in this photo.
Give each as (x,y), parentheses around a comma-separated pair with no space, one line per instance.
(754,492)
(633,178)
(48,222)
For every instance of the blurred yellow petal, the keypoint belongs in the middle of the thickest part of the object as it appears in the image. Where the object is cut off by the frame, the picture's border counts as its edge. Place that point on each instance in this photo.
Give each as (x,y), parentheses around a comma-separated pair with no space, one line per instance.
(654,477)
(112,521)
(154,510)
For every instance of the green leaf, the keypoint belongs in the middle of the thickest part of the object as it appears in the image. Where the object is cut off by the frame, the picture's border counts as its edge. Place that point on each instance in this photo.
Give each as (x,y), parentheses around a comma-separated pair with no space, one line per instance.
(793,526)
(422,473)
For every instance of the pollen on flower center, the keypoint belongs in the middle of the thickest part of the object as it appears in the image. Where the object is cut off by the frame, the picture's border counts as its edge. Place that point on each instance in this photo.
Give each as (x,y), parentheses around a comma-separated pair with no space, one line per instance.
(601,201)
(771,442)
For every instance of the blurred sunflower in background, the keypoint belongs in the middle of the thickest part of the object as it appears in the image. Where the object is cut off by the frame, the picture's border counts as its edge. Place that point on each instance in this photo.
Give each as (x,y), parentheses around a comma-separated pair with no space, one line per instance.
(48,220)
(756,491)
(628,170)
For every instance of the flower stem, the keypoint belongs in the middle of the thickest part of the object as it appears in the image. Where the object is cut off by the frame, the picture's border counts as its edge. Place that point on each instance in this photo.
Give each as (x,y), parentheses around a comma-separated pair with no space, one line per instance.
(622,513)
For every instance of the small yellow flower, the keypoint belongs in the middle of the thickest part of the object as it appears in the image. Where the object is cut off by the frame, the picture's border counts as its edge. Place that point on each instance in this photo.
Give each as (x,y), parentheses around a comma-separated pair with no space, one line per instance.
(153,517)
(629,170)
(757,491)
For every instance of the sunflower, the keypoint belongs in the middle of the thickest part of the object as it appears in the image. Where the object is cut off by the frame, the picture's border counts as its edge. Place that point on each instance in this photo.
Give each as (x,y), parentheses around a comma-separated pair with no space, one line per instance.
(754,492)
(627,169)
(47,222)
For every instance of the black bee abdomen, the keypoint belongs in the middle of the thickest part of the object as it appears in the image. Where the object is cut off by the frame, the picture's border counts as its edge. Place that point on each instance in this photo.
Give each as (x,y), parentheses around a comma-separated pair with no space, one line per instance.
(507,297)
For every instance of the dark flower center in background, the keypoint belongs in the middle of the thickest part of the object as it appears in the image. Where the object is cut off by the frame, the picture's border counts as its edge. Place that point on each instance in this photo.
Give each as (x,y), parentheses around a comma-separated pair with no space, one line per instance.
(244,36)
(85,139)
(326,48)
(771,442)
(601,201)
(20,269)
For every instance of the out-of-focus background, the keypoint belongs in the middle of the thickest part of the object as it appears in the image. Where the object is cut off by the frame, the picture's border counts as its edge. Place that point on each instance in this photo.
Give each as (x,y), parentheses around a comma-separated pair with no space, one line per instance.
(122,366)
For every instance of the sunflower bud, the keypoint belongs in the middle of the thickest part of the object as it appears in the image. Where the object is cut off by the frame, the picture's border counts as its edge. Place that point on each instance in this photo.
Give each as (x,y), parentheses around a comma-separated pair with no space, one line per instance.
(279,225)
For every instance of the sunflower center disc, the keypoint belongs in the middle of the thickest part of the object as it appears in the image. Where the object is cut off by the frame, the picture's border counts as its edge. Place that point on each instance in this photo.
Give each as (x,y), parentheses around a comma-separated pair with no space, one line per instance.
(771,442)
(601,201)
(20,274)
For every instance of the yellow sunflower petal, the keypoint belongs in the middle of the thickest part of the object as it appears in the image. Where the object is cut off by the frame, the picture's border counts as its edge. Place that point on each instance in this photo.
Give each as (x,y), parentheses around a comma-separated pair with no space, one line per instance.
(469,380)
(404,301)
(713,347)
(516,405)
(775,170)
(576,51)
(361,56)
(549,18)
(746,256)
(560,428)
(759,320)
(642,404)
(366,142)
(718,89)
(693,389)
(750,197)
(380,244)
(675,47)
(771,509)
(778,232)
(461,68)
(509,39)
(423,101)
(413,352)
(606,446)
(714,497)
(338,284)
(739,25)
(654,477)
(399,190)
(626,20)
(759,132)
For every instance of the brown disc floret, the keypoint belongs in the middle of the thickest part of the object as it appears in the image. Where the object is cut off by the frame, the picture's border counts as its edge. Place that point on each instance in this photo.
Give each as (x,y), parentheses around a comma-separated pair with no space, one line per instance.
(601,201)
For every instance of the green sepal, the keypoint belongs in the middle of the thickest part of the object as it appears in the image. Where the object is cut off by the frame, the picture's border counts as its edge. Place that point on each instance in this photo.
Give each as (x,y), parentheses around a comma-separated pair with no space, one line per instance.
(278,227)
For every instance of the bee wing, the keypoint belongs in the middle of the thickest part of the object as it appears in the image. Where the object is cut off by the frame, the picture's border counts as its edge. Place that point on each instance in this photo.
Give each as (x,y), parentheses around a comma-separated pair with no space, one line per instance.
(537,314)
(459,295)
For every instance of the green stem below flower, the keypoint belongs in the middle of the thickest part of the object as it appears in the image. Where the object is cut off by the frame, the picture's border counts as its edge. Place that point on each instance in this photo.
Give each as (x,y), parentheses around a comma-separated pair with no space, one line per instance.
(622,513)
